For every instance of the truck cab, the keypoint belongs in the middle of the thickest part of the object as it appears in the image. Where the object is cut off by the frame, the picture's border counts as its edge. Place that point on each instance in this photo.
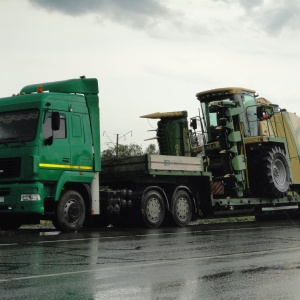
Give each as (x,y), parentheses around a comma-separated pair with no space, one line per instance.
(47,147)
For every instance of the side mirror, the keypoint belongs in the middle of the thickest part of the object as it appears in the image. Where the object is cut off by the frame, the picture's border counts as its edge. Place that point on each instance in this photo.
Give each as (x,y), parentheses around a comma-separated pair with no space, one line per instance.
(193,124)
(264,112)
(55,122)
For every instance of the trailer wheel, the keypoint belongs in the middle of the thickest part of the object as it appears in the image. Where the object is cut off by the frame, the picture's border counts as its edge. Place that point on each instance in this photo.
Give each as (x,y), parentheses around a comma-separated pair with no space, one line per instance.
(275,176)
(70,213)
(153,209)
(182,208)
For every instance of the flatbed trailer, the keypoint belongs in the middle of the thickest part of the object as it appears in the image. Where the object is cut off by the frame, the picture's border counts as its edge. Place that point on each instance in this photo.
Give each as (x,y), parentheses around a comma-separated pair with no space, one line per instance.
(161,187)
(168,174)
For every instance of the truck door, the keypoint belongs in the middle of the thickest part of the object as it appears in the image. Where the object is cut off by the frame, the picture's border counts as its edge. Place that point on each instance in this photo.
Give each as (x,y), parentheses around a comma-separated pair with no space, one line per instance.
(55,148)
(81,145)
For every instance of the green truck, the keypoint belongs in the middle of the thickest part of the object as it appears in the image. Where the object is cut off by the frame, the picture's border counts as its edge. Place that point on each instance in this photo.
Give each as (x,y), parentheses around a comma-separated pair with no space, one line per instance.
(50,163)
(51,167)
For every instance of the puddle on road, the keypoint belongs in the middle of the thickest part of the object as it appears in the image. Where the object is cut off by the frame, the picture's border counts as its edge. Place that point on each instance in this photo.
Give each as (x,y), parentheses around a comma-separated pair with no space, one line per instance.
(47,233)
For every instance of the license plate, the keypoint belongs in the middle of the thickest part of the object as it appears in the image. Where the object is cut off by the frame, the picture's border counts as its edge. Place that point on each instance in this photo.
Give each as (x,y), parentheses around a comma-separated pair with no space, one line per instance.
(1,199)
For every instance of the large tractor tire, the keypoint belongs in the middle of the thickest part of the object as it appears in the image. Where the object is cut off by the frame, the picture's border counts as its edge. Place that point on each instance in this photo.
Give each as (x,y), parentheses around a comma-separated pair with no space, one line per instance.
(70,214)
(274,173)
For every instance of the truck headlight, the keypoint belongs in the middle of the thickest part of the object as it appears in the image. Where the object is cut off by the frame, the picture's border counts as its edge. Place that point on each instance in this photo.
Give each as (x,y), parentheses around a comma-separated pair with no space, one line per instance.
(30,197)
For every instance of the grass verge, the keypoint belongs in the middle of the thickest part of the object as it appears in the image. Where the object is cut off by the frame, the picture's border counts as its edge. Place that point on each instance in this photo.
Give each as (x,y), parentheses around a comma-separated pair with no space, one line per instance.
(225,220)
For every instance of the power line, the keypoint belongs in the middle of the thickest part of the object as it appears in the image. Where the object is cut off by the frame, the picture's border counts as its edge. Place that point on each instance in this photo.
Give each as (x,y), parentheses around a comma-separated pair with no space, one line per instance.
(118,137)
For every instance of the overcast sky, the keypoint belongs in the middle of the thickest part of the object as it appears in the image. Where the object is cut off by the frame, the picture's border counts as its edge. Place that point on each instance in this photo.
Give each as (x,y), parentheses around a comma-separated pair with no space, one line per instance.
(153,55)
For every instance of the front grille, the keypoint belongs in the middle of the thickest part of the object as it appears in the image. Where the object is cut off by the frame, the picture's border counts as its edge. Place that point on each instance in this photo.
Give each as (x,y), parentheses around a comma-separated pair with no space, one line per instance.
(10,167)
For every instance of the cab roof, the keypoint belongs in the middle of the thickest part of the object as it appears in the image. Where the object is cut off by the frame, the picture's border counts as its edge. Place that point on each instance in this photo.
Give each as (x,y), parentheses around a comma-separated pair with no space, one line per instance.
(222,92)
(78,86)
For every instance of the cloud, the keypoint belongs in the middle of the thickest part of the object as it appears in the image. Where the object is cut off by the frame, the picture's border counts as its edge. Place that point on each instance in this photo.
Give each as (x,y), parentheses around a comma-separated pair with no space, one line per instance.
(284,15)
(273,17)
(268,16)
(135,13)
(250,4)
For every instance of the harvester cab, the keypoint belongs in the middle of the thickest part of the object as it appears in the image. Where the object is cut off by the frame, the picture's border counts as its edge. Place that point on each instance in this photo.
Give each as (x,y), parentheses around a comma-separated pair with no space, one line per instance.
(230,116)
(251,146)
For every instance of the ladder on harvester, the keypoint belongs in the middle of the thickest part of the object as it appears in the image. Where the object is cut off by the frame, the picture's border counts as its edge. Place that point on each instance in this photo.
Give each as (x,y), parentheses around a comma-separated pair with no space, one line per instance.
(232,149)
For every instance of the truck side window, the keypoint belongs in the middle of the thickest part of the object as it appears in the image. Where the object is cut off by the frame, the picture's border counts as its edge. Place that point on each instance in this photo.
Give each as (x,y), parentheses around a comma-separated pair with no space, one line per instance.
(57,134)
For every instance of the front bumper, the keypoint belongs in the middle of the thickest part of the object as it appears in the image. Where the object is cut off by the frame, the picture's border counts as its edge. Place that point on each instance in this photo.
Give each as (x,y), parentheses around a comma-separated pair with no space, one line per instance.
(11,194)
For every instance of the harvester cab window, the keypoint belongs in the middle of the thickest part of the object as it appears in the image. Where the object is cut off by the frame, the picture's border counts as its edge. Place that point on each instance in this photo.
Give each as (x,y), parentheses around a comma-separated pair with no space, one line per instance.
(251,116)
(211,120)
(48,133)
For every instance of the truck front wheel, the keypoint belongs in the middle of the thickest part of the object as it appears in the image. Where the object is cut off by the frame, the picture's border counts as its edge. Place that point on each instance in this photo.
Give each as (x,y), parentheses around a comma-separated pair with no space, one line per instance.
(153,209)
(70,213)
(182,208)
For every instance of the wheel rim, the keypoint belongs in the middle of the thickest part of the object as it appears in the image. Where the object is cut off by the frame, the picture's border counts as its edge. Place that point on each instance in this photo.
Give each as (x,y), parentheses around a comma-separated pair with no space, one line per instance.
(72,211)
(182,208)
(153,210)
(279,172)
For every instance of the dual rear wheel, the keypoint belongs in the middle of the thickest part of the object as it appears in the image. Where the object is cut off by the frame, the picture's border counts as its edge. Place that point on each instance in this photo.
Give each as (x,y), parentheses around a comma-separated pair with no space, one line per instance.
(154,210)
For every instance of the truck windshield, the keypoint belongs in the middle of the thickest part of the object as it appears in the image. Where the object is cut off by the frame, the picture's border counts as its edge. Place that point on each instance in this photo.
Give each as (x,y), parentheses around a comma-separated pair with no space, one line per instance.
(18,125)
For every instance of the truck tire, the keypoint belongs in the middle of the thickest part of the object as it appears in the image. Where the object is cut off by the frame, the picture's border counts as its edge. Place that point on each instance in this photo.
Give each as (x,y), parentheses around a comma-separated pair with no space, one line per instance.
(182,208)
(153,209)
(70,214)
(275,173)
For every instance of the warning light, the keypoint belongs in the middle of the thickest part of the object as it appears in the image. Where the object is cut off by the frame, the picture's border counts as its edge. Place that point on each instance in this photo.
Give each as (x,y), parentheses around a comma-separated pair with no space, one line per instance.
(265,116)
(40,89)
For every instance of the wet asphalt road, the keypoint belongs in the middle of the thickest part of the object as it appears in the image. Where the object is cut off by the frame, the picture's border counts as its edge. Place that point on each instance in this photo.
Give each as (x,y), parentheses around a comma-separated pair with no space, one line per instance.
(228,261)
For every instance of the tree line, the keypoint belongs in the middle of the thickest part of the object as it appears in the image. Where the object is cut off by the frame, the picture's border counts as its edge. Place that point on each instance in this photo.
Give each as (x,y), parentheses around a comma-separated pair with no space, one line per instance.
(123,151)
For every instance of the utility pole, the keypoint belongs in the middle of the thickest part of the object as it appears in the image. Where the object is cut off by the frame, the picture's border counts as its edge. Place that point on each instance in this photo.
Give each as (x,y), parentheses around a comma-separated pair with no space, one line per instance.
(118,139)
(117,149)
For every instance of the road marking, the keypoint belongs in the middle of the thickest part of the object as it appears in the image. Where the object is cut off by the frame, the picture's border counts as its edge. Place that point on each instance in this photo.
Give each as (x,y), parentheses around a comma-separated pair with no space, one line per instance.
(164,262)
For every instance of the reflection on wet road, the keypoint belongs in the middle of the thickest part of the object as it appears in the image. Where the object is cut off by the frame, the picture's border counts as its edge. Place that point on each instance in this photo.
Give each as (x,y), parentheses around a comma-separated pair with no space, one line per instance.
(228,261)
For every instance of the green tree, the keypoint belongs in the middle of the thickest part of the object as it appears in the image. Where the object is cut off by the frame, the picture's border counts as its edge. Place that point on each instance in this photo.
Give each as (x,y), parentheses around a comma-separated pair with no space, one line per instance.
(151,149)
(122,151)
